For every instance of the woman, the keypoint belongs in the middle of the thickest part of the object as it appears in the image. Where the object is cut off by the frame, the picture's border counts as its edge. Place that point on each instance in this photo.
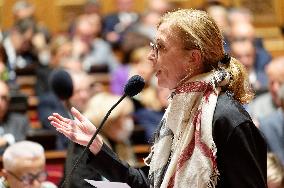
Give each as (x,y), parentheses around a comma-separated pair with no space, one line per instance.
(206,138)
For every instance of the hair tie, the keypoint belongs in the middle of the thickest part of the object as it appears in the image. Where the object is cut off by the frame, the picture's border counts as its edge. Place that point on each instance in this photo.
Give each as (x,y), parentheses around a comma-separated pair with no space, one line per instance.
(226,59)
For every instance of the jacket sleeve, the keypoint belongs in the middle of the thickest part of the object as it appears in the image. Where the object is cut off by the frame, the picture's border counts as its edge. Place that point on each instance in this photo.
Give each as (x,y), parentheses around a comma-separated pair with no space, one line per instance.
(242,158)
(107,163)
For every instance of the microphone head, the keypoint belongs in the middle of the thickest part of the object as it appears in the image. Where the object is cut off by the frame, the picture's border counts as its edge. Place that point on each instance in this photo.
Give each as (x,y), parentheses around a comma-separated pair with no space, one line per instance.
(134,85)
(61,84)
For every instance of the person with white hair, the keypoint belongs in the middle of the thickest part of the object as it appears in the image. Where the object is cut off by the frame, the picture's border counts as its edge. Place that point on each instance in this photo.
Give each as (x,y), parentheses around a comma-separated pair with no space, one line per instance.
(23,9)
(24,166)
(13,126)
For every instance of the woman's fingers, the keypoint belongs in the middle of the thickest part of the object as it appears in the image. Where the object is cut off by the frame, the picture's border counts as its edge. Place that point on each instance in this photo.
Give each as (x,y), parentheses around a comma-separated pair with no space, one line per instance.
(58,116)
(60,126)
(69,134)
(77,114)
(74,136)
(59,122)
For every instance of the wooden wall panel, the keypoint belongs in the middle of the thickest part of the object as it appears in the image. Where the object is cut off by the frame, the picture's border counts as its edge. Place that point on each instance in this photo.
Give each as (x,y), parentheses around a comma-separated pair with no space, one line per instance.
(57,14)
(6,13)
(266,12)
(1,9)
(46,13)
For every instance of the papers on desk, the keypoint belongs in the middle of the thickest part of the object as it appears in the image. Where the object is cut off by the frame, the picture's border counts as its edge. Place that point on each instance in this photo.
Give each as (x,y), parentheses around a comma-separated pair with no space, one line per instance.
(107,184)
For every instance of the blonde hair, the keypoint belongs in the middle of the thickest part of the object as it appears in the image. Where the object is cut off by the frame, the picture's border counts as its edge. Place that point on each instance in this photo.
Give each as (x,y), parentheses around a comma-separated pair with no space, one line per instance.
(100,103)
(275,170)
(198,30)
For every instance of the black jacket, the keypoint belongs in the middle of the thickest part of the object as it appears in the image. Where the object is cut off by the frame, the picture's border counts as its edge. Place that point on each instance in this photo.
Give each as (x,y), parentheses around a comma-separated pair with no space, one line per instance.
(241,152)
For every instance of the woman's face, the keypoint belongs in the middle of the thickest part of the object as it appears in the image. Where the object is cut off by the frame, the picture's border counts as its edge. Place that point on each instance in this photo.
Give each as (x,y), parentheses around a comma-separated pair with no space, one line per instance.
(170,60)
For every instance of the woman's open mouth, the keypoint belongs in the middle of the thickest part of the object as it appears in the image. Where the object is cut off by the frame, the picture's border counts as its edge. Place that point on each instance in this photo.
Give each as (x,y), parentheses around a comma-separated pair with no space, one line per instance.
(158,72)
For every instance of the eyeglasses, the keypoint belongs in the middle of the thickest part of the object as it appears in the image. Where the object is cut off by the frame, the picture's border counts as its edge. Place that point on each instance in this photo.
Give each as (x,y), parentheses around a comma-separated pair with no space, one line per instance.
(155,49)
(29,178)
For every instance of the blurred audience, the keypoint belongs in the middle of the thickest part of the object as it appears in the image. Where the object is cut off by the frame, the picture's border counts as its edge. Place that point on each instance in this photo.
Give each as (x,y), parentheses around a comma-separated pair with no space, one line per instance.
(148,20)
(60,48)
(50,103)
(115,25)
(241,34)
(272,127)
(267,103)
(1,35)
(160,6)
(138,65)
(275,172)
(220,14)
(96,54)
(92,6)
(13,126)
(71,63)
(24,166)
(147,24)
(239,15)
(22,9)
(150,116)
(245,31)
(245,52)
(119,125)
(18,46)
(4,74)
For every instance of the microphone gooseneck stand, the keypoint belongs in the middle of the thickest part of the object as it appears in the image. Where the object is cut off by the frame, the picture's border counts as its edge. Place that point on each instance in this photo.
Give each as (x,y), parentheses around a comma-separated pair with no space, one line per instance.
(91,141)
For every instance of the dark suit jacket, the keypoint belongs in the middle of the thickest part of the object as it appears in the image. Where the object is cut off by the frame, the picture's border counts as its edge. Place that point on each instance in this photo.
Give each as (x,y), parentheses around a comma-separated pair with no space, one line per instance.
(272,127)
(49,104)
(16,124)
(241,152)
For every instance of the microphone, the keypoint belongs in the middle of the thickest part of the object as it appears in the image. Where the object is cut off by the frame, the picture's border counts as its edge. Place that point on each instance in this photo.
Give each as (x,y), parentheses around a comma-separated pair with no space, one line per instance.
(61,84)
(134,86)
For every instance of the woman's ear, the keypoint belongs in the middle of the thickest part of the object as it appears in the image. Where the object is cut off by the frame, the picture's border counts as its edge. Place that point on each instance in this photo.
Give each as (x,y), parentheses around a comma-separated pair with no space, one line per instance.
(194,62)
(195,56)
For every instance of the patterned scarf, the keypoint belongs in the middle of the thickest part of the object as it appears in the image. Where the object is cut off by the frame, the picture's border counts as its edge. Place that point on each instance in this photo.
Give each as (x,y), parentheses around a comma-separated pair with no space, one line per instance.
(184,153)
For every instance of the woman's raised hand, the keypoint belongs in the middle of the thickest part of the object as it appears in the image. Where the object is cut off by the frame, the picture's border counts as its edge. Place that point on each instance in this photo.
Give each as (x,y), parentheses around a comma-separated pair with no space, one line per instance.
(79,130)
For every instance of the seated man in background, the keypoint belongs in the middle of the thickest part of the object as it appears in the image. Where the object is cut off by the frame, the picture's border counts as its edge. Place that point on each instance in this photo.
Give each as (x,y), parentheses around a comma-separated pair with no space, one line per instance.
(24,166)
(244,46)
(13,126)
(272,128)
(149,118)
(267,103)
(245,52)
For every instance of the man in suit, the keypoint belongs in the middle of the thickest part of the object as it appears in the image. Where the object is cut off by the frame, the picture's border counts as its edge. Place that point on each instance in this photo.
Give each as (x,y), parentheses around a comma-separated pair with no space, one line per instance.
(116,24)
(13,126)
